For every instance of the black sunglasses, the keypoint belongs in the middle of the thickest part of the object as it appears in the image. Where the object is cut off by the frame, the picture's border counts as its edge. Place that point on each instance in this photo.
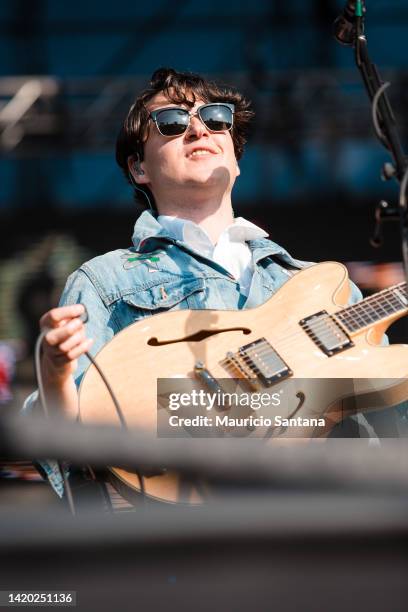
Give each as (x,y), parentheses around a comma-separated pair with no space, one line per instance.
(174,120)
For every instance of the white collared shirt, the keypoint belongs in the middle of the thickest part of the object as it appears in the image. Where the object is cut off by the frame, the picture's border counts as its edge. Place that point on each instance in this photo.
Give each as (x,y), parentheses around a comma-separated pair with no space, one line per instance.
(231,251)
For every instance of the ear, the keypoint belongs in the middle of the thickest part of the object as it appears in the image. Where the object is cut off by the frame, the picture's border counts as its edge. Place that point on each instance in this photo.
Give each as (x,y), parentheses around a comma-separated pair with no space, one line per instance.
(238,170)
(137,170)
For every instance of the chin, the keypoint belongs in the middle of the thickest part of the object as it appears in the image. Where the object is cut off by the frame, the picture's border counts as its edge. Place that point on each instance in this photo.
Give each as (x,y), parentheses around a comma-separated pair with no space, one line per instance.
(210,176)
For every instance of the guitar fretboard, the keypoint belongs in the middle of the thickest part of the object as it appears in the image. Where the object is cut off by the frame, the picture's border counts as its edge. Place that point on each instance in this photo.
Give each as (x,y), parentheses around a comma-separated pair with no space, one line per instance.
(374,308)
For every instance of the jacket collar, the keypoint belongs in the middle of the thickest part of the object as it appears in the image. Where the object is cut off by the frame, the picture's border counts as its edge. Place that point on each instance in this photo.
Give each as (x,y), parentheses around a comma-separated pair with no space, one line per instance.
(147,227)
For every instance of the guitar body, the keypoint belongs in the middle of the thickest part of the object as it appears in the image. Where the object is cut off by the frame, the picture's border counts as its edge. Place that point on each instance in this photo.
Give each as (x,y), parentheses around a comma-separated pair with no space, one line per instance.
(133,362)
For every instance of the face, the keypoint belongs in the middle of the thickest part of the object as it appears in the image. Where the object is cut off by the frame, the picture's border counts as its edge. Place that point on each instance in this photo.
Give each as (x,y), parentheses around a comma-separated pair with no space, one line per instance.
(196,160)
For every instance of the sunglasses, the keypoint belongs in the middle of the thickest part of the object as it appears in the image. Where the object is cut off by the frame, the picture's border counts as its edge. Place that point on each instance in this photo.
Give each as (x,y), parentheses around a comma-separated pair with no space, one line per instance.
(173,121)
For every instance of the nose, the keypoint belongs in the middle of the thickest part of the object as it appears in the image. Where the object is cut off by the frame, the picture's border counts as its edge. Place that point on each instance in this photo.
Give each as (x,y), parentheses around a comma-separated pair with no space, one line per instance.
(196,129)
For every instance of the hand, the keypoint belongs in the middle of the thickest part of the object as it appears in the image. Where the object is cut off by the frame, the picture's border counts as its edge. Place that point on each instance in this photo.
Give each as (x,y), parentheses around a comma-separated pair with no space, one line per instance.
(64,341)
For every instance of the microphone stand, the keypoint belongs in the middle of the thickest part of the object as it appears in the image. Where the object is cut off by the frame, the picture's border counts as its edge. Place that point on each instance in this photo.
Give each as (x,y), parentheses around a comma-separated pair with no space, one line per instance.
(386,131)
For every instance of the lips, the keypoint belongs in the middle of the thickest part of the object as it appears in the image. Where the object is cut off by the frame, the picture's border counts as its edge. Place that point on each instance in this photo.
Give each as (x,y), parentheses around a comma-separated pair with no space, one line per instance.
(202,151)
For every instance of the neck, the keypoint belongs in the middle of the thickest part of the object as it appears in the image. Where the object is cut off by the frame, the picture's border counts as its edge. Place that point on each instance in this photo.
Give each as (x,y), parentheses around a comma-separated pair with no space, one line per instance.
(212,215)
(378,307)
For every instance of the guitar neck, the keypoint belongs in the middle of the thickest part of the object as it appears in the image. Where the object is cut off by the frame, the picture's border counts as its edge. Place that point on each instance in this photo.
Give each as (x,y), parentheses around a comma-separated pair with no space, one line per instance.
(375,308)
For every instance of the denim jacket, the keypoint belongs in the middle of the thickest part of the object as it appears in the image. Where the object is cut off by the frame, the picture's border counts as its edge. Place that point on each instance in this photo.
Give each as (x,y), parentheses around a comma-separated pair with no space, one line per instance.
(159,274)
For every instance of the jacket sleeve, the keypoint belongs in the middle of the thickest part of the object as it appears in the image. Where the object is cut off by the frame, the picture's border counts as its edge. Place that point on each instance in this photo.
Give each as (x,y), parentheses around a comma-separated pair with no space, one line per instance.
(100,327)
(79,289)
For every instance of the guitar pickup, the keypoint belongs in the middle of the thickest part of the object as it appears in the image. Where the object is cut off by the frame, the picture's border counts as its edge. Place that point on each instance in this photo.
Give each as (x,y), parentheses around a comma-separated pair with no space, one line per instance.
(326,333)
(265,363)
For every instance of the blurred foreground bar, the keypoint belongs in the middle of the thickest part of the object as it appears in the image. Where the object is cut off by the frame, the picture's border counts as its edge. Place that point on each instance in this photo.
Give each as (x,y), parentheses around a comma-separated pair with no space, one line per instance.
(286,552)
(359,463)
(304,527)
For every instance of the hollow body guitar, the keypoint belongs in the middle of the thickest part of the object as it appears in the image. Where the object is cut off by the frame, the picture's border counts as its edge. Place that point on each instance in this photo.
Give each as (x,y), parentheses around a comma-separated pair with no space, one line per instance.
(304,332)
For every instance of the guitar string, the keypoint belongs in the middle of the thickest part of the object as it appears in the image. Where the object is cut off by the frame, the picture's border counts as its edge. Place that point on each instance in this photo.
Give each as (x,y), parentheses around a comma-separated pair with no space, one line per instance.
(259,355)
(317,335)
(347,313)
(322,331)
(345,319)
(350,313)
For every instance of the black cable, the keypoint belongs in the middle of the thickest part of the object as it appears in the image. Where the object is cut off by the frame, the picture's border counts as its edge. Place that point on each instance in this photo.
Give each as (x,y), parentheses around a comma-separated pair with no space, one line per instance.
(41,392)
(110,391)
(37,365)
(403,191)
(43,402)
(104,488)
(374,114)
(118,411)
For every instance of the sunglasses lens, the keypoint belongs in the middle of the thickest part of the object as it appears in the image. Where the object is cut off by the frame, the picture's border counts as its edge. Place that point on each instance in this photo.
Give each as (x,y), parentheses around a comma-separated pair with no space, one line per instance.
(172,122)
(217,117)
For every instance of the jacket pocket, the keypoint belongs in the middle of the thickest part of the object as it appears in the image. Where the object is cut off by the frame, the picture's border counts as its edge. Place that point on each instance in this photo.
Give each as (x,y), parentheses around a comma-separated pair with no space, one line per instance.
(166,295)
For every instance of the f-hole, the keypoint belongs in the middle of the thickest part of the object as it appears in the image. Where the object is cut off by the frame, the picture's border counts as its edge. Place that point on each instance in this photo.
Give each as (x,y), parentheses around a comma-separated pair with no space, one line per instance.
(199,336)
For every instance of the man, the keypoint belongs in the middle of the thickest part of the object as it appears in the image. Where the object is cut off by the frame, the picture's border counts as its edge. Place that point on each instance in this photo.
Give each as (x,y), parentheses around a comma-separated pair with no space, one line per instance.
(179,146)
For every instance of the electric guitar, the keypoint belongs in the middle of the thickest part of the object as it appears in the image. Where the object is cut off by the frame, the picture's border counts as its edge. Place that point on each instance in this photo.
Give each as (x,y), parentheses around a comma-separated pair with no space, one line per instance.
(325,357)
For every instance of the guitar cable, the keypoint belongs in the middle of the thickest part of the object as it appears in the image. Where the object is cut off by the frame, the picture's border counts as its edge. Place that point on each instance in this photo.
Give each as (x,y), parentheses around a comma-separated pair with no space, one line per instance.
(119,412)
(38,374)
(43,402)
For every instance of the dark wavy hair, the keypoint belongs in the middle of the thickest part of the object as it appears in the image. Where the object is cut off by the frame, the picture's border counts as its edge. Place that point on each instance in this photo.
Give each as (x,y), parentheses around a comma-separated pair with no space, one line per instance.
(179,88)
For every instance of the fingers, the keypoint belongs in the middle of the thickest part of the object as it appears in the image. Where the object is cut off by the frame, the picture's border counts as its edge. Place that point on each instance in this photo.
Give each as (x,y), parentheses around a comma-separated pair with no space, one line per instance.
(65,339)
(72,341)
(79,349)
(62,333)
(57,316)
